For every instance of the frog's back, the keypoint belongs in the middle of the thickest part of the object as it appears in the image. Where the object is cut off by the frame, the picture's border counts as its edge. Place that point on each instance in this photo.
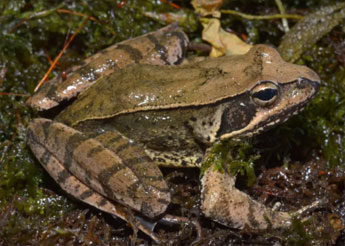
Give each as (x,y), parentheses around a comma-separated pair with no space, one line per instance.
(148,87)
(142,88)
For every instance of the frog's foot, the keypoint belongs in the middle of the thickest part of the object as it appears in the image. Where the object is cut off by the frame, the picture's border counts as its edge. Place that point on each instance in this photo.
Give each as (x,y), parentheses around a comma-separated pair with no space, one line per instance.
(167,219)
(133,180)
(171,219)
(302,212)
(224,203)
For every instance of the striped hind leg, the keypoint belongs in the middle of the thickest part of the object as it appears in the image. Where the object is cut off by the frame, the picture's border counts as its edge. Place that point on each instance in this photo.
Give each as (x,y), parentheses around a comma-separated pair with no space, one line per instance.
(127,176)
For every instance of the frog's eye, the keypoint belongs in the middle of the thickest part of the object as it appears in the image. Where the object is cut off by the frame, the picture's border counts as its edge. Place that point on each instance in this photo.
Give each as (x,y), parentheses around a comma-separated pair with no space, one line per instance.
(265,93)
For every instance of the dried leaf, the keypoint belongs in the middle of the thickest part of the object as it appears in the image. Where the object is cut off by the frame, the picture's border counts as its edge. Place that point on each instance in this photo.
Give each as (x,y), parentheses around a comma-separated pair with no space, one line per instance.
(207,7)
(223,43)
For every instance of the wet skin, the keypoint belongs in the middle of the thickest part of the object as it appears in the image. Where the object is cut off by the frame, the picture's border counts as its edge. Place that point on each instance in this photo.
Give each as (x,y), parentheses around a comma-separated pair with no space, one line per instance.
(132,116)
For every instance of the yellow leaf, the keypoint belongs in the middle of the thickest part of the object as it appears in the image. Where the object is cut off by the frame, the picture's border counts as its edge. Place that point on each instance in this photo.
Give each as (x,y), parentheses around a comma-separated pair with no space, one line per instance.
(207,7)
(223,43)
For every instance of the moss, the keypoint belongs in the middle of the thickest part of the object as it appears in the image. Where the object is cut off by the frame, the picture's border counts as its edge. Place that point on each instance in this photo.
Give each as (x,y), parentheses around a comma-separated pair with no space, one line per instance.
(233,156)
(298,236)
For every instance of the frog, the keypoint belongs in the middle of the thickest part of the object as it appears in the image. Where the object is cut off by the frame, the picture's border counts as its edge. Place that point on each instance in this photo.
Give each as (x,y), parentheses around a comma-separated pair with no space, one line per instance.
(132,117)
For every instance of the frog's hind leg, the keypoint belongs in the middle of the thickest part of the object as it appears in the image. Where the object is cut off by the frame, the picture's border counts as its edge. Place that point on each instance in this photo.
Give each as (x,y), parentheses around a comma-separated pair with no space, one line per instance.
(80,191)
(134,181)
(224,203)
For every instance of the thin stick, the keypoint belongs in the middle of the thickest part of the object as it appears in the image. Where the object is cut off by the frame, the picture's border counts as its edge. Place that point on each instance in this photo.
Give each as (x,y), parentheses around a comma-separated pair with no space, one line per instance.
(34,15)
(174,5)
(261,17)
(61,53)
(282,11)
(2,93)
(67,11)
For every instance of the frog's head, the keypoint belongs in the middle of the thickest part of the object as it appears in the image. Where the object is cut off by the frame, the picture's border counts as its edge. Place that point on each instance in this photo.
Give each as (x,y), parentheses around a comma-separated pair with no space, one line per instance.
(276,90)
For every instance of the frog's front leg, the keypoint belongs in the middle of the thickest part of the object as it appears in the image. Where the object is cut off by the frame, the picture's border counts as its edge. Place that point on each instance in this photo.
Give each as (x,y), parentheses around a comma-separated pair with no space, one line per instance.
(224,203)
(131,179)
(166,46)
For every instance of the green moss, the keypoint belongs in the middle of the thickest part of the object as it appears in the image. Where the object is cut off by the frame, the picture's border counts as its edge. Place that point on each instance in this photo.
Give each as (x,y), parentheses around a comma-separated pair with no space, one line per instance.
(298,236)
(232,156)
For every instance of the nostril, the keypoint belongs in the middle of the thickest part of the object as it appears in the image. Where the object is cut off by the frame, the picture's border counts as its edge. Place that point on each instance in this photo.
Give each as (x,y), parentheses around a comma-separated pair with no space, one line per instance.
(316,85)
(302,83)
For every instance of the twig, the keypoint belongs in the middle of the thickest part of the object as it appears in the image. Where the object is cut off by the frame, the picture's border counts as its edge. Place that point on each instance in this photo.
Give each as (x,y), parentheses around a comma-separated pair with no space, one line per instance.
(61,53)
(2,93)
(66,11)
(282,11)
(174,5)
(48,57)
(35,15)
(261,17)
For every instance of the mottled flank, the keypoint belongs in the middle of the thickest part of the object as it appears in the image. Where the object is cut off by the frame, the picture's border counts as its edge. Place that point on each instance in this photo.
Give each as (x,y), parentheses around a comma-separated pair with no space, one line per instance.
(186,158)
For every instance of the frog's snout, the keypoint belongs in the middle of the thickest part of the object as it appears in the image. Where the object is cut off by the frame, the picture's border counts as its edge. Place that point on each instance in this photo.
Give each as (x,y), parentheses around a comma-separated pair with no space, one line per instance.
(316,85)
(303,83)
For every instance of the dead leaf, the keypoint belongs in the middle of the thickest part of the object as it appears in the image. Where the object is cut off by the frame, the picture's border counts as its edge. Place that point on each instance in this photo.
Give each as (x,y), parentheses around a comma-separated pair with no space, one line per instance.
(223,43)
(207,7)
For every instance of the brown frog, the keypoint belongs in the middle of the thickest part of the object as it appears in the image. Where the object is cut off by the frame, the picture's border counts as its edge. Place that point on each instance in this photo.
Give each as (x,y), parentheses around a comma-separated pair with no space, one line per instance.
(135,114)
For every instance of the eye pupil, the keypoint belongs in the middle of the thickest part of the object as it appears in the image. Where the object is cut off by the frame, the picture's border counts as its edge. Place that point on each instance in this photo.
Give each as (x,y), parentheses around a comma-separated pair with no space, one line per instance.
(266,94)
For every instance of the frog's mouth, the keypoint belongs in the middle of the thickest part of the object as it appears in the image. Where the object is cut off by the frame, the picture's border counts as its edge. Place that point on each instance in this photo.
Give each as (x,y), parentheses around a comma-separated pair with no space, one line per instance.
(294,97)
